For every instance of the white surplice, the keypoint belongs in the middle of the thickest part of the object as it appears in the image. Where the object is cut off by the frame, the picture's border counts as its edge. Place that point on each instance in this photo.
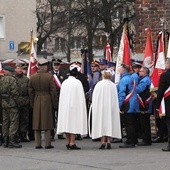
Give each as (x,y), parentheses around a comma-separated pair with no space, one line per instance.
(72,112)
(105,110)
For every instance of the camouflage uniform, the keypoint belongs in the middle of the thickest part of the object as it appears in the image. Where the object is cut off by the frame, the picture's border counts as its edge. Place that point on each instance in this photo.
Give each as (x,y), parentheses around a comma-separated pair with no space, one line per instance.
(9,96)
(22,82)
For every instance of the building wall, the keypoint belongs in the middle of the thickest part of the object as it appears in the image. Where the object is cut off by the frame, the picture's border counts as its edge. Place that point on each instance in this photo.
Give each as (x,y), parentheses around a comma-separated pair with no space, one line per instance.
(20,18)
(148,14)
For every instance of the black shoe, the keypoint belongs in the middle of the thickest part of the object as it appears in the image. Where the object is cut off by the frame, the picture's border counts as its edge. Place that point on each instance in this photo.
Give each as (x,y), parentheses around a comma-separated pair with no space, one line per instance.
(103,146)
(24,140)
(167,149)
(158,140)
(116,140)
(144,143)
(38,147)
(74,147)
(68,146)
(165,139)
(109,146)
(125,145)
(14,145)
(49,147)
(78,137)
(61,137)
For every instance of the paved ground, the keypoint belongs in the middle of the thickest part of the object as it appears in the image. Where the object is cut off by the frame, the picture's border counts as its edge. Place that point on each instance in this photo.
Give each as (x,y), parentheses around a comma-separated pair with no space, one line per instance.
(89,158)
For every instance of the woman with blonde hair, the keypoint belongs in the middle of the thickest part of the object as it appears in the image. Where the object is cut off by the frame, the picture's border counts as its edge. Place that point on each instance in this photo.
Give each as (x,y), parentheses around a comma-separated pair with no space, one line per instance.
(105,111)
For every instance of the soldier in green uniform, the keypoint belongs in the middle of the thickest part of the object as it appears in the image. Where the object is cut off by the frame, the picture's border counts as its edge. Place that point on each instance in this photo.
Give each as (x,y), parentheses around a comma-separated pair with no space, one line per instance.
(22,82)
(9,103)
(1,135)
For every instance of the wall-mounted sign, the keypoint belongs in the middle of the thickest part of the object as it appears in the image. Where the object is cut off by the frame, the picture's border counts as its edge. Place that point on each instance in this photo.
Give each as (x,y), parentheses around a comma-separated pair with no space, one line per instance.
(11,45)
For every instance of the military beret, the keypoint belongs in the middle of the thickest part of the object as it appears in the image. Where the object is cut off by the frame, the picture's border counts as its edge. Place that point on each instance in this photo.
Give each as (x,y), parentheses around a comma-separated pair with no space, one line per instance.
(9,68)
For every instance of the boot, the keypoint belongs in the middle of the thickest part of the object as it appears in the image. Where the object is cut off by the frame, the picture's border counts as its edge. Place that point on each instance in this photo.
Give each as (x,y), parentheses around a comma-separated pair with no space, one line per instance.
(13,143)
(168,147)
(6,141)
(24,137)
(1,140)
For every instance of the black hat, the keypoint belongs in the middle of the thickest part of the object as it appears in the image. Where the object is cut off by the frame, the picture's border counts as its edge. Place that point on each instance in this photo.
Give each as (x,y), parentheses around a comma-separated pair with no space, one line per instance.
(57,62)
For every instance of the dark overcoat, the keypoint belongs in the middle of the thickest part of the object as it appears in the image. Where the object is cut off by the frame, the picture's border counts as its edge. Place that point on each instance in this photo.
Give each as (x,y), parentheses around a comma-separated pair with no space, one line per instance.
(164,84)
(43,99)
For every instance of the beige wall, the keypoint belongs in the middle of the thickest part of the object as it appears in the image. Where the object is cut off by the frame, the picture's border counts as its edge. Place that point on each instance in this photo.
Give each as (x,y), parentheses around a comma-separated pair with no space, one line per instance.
(20,18)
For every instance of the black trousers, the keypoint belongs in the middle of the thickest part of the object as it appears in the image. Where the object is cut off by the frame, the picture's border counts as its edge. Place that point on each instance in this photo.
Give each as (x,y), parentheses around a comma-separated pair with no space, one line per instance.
(168,125)
(146,127)
(162,127)
(130,125)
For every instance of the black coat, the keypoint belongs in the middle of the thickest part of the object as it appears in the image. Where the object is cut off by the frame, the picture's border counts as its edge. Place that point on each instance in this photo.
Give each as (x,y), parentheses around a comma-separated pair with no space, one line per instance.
(164,83)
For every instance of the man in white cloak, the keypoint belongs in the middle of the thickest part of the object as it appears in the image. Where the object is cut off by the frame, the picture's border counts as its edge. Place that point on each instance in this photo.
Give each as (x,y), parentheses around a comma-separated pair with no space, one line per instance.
(72,113)
(105,111)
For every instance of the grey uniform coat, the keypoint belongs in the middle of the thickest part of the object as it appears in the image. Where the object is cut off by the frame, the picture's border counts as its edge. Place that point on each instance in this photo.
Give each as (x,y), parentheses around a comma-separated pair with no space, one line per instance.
(43,96)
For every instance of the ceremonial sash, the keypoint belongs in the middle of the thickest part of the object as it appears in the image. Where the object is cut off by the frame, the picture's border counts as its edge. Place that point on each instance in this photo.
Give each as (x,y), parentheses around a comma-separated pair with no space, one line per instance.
(129,96)
(57,81)
(146,102)
(162,106)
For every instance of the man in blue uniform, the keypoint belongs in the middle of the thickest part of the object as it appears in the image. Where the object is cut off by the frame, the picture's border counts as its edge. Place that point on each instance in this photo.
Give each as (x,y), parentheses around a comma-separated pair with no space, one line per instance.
(127,104)
(145,105)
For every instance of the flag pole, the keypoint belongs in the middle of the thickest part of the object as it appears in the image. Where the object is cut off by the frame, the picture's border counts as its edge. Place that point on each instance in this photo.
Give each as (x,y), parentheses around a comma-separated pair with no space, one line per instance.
(31,40)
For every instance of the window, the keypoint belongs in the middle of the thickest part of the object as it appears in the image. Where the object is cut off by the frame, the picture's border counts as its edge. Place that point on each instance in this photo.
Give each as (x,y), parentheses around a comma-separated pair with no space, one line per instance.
(2,26)
(60,44)
(77,42)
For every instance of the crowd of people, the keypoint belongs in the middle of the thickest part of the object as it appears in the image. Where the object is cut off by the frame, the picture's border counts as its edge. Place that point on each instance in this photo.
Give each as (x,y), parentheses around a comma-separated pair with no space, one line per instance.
(79,105)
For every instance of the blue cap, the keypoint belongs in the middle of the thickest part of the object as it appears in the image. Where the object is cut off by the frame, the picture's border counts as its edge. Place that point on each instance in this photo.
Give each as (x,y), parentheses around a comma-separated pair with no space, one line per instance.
(103,61)
(111,64)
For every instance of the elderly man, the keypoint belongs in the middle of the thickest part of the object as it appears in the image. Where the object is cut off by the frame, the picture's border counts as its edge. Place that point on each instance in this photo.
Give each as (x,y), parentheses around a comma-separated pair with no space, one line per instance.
(43,96)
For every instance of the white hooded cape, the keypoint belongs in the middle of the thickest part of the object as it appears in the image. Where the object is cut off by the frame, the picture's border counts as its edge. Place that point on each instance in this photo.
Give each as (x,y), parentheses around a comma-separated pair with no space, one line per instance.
(105,110)
(72,112)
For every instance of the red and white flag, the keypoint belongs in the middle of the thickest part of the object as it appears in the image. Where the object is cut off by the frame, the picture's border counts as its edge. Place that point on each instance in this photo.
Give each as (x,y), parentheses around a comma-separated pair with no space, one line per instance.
(33,65)
(148,60)
(168,51)
(124,54)
(159,69)
(160,63)
(108,52)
